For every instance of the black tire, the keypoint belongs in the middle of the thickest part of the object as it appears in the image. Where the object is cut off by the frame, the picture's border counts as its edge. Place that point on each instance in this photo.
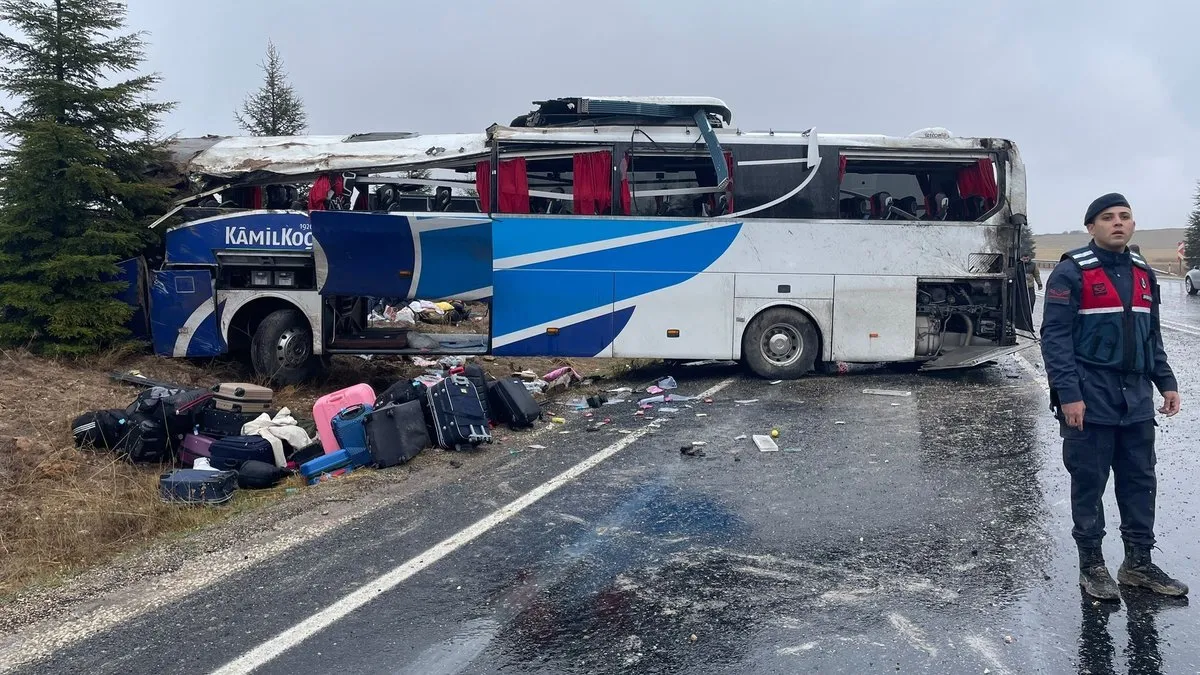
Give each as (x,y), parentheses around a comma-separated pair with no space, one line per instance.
(787,357)
(1191,288)
(281,349)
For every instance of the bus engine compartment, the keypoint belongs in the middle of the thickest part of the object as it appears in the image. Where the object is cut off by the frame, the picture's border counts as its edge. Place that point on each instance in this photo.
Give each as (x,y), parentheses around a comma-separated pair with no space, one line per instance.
(956,315)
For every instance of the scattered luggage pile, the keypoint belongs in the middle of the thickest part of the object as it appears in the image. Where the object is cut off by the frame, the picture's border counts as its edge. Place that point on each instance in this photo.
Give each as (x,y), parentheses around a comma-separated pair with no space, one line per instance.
(230,436)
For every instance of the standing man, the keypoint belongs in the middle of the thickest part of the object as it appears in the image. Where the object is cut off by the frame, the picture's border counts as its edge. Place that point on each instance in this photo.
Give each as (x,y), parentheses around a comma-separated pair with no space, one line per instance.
(1103,350)
(1032,275)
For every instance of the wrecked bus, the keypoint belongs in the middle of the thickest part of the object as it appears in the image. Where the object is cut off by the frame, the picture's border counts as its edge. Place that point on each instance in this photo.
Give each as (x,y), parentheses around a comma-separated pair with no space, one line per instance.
(598,227)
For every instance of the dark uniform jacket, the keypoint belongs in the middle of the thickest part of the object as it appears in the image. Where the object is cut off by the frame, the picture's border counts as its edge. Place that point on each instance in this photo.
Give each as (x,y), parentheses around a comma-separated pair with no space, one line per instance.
(1101,340)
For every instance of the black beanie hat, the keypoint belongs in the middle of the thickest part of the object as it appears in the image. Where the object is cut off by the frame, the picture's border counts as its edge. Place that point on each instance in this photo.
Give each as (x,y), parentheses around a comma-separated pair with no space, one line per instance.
(1105,202)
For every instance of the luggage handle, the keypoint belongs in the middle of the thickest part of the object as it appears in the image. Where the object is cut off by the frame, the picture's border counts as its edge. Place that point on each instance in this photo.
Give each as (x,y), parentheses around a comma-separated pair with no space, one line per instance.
(351,410)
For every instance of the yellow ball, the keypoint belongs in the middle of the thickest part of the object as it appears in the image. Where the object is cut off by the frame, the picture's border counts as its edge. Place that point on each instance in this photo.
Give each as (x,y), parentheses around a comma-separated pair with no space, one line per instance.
(774,433)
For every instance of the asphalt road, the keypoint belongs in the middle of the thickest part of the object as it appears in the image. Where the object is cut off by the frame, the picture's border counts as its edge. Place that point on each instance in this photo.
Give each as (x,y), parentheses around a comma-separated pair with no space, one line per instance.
(918,533)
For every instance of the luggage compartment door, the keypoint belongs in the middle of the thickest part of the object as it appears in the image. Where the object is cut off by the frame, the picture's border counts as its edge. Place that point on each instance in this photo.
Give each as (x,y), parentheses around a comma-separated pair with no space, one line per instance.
(404,255)
(183,314)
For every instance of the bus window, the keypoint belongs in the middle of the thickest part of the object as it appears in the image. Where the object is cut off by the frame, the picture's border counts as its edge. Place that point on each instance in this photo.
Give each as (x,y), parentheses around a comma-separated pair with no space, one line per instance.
(575,182)
(677,185)
(881,188)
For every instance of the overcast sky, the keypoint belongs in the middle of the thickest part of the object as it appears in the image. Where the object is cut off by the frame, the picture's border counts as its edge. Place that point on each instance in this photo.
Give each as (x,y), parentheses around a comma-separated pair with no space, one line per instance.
(1101,96)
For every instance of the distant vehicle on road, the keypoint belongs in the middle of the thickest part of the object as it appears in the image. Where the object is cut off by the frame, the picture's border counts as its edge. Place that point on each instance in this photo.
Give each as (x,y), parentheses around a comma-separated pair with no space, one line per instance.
(1191,281)
(598,227)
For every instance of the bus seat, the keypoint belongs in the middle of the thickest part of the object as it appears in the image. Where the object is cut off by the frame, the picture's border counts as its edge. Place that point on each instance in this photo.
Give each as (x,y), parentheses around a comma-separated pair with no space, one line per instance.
(855,208)
(941,206)
(881,205)
(976,207)
(907,205)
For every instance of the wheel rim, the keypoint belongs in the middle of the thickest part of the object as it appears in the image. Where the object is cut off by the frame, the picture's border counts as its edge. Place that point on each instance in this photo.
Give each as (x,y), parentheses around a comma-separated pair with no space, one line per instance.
(781,344)
(294,348)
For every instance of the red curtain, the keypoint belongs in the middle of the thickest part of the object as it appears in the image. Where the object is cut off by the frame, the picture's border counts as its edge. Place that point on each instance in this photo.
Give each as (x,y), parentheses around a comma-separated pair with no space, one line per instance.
(626,199)
(979,181)
(593,183)
(514,186)
(320,191)
(841,168)
(257,198)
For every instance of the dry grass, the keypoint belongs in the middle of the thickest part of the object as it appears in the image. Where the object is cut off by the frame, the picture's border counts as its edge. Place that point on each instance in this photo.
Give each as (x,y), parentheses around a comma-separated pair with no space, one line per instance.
(62,509)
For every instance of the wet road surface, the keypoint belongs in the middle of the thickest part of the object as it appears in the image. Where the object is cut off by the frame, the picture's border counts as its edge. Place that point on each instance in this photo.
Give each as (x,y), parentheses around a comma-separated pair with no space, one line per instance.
(919,533)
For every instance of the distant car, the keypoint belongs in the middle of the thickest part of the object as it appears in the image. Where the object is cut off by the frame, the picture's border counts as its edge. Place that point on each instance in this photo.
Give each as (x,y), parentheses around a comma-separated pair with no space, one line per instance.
(1191,281)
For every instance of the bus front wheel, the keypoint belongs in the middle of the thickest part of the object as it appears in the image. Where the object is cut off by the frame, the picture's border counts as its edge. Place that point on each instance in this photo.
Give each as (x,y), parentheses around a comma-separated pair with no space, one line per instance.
(281,349)
(780,344)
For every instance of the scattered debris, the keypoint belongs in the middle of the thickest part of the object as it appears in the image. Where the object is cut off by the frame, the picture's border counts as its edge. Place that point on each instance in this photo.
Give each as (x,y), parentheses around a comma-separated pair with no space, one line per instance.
(741,438)
(746,401)
(668,383)
(701,414)
(620,390)
(668,410)
(699,443)
(839,422)
(536,447)
(691,451)
(792,450)
(765,443)
(558,420)
(774,433)
(777,382)
(887,392)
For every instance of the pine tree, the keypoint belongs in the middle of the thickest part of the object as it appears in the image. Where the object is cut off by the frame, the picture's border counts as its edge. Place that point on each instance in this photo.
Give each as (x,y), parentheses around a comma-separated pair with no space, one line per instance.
(1191,240)
(275,109)
(74,195)
(1028,243)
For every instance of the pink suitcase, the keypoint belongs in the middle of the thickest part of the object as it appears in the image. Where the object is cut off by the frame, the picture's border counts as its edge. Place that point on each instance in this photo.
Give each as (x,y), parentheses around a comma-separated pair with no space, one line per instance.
(331,404)
(194,446)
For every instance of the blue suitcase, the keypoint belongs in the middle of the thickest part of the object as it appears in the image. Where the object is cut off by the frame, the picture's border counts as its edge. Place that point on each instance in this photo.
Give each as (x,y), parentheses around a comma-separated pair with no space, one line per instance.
(346,458)
(348,426)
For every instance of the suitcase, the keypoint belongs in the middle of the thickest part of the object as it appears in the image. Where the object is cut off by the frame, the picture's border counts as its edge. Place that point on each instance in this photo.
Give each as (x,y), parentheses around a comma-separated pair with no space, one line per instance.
(331,404)
(346,458)
(401,392)
(348,426)
(148,441)
(512,404)
(229,453)
(193,447)
(221,423)
(242,397)
(190,486)
(456,414)
(396,433)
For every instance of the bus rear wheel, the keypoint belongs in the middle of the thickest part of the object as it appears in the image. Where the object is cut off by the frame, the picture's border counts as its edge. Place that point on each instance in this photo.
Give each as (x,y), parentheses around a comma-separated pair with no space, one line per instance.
(780,344)
(281,349)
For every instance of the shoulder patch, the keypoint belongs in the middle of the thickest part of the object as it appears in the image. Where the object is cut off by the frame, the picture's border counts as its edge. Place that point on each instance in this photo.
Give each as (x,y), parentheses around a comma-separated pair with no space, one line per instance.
(1058,294)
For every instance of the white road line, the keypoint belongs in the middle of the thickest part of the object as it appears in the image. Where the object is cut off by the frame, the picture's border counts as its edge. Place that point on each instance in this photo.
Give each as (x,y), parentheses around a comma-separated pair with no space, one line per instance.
(294,635)
(1038,376)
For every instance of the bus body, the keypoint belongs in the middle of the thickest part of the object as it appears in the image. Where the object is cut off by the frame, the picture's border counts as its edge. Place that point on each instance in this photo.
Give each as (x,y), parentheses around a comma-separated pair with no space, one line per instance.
(611,227)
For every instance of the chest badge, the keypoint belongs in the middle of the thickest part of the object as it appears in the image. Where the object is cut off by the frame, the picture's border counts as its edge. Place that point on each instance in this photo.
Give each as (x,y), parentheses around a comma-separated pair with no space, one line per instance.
(1099,289)
(1144,283)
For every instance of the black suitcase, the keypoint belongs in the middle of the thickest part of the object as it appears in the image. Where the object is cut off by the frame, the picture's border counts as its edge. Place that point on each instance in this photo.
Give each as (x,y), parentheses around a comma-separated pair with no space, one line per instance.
(512,404)
(401,392)
(192,486)
(456,414)
(231,452)
(148,441)
(221,423)
(396,433)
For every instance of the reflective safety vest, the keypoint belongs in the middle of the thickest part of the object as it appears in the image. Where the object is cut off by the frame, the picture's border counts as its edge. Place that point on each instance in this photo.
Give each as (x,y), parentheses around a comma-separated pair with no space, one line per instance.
(1109,333)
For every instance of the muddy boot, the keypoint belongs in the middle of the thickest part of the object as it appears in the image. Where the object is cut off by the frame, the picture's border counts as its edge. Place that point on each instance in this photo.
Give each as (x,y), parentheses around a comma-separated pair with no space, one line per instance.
(1094,576)
(1137,570)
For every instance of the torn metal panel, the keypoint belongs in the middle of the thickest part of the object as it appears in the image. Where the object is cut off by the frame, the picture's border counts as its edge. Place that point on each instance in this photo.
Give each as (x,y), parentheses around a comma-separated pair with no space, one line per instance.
(250,159)
(969,357)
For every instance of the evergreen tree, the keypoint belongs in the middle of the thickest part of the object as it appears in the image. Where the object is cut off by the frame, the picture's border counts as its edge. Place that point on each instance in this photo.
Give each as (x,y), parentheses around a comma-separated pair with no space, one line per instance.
(74,195)
(1191,239)
(275,109)
(1028,244)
